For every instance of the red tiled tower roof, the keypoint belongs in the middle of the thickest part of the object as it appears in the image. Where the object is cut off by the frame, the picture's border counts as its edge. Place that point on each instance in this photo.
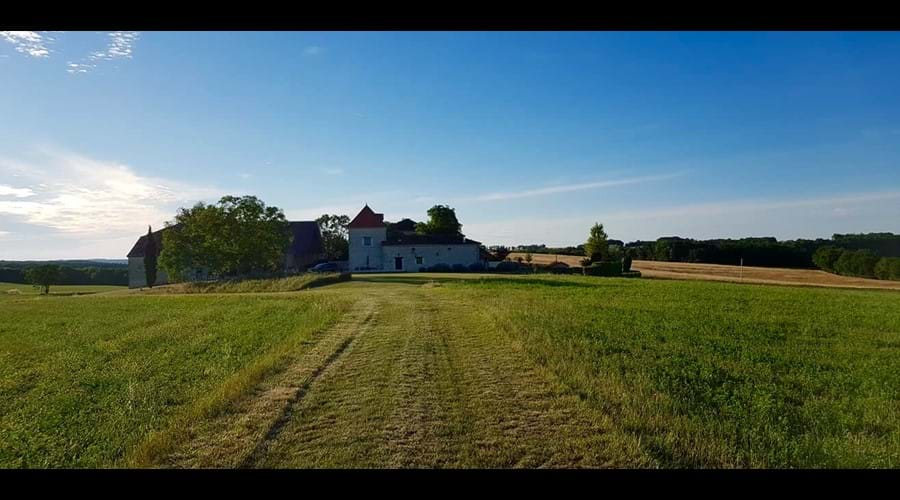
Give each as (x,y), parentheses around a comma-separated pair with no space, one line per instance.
(367,218)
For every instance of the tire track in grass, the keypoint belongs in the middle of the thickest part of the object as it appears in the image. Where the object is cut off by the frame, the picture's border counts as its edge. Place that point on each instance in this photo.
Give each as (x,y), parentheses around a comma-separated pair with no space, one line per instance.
(239,436)
(433,385)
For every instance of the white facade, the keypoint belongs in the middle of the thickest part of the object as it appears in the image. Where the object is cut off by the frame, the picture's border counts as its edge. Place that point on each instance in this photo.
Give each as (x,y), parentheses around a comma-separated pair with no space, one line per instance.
(414,258)
(366,248)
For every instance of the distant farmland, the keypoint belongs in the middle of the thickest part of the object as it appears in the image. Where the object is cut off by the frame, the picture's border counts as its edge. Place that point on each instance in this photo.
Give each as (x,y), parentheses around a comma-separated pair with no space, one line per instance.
(718,272)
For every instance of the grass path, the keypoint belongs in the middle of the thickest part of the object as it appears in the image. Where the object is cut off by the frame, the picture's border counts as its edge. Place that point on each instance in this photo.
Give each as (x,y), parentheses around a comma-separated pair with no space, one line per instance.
(409,379)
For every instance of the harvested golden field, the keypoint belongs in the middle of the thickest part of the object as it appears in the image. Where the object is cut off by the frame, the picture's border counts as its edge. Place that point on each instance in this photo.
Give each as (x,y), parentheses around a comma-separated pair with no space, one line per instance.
(542,259)
(770,275)
(718,272)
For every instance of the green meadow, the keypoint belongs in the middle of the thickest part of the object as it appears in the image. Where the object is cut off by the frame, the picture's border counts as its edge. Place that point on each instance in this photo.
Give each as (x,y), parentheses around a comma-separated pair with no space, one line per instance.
(453,370)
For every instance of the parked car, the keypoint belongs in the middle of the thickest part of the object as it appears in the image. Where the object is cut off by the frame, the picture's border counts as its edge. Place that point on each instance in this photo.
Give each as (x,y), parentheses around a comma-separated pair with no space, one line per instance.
(325,267)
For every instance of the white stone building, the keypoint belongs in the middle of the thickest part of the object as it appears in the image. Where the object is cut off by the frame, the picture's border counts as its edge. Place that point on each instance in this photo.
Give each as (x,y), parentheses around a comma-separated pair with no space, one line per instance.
(373,249)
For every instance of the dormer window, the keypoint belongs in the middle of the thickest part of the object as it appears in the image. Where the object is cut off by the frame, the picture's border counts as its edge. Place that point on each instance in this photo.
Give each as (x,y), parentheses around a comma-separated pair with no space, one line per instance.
(367,241)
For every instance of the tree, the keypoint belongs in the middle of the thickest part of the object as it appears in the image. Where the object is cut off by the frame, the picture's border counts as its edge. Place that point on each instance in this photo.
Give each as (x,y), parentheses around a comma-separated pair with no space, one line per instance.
(597,247)
(826,256)
(150,259)
(500,252)
(528,257)
(236,236)
(856,263)
(335,240)
(441,220)
(42,277)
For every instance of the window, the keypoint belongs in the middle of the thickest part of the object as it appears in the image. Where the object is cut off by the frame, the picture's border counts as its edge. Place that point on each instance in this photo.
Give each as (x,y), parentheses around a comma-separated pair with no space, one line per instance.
(367,241)
(420,259)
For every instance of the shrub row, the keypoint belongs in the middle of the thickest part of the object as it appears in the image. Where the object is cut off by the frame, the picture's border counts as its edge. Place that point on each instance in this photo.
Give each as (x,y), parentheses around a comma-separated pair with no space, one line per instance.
(604,269)
(862,263)
(455,268)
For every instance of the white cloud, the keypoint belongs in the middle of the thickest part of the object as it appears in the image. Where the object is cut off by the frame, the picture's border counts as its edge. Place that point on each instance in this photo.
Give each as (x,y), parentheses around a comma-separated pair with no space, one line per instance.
(3,233)
(245,175)
(313,50)
(333,171)
(568,188)
(15,192)
(32,43)
(120,46)
(90,198)
(79,67)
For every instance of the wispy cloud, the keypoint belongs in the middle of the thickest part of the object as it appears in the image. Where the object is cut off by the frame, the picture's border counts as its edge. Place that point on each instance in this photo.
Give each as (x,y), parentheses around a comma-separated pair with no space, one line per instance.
(79,67)
(834,202)
(245,175)
(313,50)
(80,195)
(15,192)
(3,233)
(332,171)
(120,46)
(568,188)
(31,43)
(783,218)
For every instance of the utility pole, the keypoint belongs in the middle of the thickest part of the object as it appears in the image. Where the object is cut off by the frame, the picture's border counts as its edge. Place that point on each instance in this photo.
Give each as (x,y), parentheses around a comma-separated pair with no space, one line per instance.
(742,269)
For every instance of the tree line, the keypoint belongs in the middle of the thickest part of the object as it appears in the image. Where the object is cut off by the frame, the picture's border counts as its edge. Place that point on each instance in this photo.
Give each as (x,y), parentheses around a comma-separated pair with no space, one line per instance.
(70,275)
(863,263)
(763,252)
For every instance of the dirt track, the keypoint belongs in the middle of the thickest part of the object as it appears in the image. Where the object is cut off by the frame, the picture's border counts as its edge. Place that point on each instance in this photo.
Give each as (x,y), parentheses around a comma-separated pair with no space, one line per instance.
(717,272)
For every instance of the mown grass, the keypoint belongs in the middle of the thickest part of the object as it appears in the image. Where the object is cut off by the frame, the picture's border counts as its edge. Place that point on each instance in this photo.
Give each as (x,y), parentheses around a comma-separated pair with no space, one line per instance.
(458,370)
(715,374)
(287,284)
(91,381)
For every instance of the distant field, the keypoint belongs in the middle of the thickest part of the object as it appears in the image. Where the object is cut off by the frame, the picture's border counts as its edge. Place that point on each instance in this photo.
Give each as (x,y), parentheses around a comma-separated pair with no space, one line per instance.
(25,289)
(455,370)
(717,272)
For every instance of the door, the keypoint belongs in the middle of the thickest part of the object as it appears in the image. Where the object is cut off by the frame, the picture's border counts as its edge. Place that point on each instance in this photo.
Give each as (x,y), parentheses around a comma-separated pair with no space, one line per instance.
(398,263)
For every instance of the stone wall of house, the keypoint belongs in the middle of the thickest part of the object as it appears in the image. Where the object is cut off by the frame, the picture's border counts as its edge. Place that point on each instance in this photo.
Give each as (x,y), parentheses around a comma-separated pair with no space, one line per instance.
(137,278)
(428,255)
(361,256)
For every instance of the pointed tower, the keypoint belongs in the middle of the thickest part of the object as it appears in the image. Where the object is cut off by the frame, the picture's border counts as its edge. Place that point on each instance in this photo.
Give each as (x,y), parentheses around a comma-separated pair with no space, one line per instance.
(367,232)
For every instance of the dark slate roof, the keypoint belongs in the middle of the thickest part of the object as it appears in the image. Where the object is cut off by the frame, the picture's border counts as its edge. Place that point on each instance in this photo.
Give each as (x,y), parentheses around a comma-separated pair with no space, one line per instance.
(141,244)
(367,218)
(405,225)
(306,239)
(428,239)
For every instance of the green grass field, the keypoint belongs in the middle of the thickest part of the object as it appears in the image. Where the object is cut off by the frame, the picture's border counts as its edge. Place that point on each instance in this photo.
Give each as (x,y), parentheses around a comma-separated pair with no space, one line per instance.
(460,370)
(11,290)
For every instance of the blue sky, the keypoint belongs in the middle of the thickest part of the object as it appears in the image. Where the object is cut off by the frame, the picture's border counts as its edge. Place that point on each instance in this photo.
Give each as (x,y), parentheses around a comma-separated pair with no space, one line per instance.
(530,136)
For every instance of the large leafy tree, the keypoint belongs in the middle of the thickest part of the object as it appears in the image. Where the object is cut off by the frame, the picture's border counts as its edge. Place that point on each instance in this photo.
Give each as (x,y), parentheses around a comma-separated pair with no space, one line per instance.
(43,276)
(150,258)
(597,247)
(335,241)
(236,236)
(441,220)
